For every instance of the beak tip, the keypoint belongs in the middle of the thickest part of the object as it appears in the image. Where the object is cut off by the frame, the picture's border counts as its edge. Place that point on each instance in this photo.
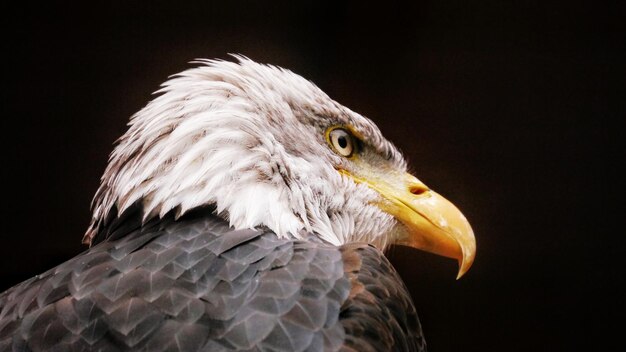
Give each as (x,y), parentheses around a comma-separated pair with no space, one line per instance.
(465,262)
(463,269)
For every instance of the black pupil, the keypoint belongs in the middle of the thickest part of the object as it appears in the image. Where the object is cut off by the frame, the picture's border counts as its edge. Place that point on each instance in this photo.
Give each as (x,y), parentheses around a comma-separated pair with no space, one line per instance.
(342,141)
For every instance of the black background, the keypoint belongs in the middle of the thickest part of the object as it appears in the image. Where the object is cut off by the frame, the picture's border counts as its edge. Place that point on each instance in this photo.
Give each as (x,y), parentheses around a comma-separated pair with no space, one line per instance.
(511,110)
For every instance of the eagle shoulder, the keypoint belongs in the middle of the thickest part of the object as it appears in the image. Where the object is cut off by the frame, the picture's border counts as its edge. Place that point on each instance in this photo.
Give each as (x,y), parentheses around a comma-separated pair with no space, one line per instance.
(194,283)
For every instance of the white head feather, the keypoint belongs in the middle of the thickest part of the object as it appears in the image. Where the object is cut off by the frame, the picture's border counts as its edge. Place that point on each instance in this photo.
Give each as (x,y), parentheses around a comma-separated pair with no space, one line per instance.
(249,139)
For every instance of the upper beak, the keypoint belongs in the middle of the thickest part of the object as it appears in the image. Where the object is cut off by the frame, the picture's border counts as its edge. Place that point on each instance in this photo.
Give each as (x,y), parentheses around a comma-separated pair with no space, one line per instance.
(434,224)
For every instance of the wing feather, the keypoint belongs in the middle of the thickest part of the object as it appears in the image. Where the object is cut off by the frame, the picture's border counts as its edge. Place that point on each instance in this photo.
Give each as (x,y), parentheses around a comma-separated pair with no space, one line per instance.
(194,283)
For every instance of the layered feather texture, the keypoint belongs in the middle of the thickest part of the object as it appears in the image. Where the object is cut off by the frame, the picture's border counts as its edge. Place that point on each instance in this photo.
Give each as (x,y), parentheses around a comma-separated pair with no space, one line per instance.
(197,285)
(249,139)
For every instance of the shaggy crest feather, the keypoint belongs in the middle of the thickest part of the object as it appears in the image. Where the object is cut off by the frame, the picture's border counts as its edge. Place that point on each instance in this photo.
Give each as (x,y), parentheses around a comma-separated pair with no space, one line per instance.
(249,139)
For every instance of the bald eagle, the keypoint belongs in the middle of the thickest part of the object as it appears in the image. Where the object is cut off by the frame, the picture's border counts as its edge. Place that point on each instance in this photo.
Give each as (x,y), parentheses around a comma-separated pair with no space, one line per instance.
(242,210)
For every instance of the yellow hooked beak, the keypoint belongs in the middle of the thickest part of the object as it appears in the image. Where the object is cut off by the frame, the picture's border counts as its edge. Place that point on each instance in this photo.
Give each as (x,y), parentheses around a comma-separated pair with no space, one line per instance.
(434,224)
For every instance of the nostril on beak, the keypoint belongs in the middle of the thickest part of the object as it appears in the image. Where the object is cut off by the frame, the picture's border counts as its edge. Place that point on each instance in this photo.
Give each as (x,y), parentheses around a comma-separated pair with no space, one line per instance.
(418,189)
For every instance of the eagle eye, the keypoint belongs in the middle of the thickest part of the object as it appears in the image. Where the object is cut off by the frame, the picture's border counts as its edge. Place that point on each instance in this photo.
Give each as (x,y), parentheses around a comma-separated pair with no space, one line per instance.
(342,141)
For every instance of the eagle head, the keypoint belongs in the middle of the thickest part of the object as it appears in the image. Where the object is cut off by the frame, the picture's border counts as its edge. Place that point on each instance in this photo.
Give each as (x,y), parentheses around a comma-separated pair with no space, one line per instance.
(267,148)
